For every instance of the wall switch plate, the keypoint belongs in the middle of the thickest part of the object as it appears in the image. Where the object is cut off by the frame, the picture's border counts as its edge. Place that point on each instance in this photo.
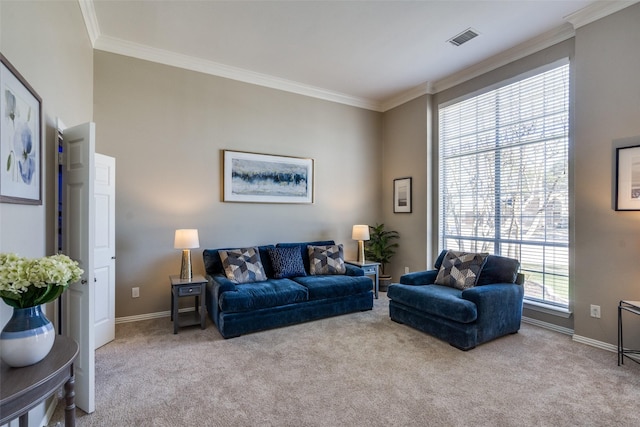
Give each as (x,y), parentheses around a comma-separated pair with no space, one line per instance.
(595,311)
(406,270)
(135,292)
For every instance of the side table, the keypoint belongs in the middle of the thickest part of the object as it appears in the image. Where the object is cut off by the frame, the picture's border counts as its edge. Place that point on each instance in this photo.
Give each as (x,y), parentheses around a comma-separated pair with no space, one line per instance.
(21,389)
(370,269)
(631,307)
(194,287)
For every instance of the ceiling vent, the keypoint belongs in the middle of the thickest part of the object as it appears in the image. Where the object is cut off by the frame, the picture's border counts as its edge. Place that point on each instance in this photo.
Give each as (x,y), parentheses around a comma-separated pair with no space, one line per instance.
(463,37)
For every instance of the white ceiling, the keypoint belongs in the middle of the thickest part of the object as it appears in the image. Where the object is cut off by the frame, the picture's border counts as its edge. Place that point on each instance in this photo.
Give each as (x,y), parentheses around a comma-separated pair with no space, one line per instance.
(371,54)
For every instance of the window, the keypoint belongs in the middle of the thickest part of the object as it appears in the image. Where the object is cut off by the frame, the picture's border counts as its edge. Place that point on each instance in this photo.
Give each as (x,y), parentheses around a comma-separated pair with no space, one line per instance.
(504,178)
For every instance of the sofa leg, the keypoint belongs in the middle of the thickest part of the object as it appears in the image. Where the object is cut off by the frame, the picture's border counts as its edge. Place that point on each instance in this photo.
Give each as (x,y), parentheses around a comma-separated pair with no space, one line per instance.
(462,348)
(397,321)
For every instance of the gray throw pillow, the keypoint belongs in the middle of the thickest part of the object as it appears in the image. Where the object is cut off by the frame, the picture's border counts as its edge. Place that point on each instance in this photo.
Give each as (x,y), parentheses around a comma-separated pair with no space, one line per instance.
(242,265)
(326,259)
(460,270)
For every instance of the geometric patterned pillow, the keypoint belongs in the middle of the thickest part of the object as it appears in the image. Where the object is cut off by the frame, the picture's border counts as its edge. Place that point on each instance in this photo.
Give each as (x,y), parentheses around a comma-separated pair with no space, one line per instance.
(326,259)
(242,265)
(286,262)
(460,270)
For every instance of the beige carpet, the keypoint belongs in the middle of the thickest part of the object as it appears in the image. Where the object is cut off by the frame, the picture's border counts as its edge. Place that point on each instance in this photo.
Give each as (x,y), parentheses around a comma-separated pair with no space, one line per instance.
(359,369)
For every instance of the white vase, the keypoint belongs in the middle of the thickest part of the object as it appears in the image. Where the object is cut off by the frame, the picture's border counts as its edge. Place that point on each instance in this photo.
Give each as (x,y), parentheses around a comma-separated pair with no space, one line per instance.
(27,338)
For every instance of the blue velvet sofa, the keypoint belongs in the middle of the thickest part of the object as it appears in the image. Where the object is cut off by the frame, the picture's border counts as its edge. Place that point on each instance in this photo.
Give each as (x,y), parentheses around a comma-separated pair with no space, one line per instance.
(238,309)
(463,318)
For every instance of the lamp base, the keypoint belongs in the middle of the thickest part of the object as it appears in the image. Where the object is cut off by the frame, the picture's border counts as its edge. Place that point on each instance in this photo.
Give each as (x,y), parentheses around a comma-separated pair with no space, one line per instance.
(185,270)
(360,251)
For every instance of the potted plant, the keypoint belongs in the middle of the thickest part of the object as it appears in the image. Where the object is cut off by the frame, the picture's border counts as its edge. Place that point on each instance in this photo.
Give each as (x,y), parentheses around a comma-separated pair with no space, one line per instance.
(381,248)
(26,284)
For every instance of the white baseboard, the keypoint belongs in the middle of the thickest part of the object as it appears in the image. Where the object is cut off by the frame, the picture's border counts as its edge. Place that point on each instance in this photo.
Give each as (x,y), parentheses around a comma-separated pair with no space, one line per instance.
(149,316)
(578,338)
(547,325)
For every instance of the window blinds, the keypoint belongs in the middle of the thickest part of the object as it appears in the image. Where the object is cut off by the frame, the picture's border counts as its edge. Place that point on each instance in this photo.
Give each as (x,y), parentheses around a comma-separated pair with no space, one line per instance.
(504,179)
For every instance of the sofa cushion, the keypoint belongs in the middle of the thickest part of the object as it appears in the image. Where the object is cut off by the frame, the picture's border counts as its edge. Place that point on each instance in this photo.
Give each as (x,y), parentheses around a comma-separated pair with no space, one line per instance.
(243,265)
(460,270)
(286,262)
(326,259)
(332,286)
(442,301)
(498,269)
(254,296)
(302,247)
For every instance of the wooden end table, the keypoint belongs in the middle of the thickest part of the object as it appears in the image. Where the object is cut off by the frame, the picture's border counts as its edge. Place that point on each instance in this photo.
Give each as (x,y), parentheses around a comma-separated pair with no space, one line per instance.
(21,389)
(370,269)
(194,287)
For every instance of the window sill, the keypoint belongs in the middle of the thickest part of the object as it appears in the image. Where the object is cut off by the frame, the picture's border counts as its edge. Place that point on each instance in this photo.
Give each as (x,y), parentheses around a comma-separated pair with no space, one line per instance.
(547,309)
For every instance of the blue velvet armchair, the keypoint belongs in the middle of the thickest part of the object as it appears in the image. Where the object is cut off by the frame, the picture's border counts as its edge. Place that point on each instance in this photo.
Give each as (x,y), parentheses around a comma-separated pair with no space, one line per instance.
(463,318)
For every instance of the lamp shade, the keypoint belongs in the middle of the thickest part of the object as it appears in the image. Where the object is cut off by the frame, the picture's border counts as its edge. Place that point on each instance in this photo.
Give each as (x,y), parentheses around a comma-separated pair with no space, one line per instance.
(360,232)
(186,239)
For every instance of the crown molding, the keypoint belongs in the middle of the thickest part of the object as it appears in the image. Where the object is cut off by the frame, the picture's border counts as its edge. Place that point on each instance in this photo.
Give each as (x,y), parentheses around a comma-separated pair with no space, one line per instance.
(536,44)
(408,95)
(576,20)
(90,20)
(595,11)
(123,47)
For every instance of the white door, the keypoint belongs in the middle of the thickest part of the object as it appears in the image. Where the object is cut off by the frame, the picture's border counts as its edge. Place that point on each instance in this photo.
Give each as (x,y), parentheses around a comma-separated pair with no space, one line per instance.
(104,254)
(79,228)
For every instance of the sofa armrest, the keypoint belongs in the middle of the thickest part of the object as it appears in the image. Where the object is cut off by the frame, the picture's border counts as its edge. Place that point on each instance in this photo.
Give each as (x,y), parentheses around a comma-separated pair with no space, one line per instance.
(353,270)
(221,284)
(426,277)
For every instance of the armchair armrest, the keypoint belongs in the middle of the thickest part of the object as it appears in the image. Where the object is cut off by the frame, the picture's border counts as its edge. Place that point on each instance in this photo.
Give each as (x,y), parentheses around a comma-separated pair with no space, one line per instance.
(499,308)
(426,277)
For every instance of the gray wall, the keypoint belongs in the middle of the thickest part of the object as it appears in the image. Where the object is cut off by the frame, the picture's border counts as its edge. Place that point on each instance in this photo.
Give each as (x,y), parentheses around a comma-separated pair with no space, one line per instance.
(406,136)
(47,43)
(166,128)
(607,111)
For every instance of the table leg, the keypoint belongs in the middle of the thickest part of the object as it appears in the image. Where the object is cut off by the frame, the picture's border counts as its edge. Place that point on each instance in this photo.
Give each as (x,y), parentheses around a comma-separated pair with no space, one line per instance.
(377,282)
(620,343)
(69,397)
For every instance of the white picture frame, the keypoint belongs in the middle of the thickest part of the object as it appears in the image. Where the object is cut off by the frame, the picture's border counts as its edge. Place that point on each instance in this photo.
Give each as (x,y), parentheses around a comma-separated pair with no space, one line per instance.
(266,178)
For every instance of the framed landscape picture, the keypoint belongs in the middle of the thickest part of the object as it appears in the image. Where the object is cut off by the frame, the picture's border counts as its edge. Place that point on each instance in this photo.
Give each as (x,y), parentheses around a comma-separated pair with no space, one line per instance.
(20,138)
(402,195)
(266,178)
(628,178)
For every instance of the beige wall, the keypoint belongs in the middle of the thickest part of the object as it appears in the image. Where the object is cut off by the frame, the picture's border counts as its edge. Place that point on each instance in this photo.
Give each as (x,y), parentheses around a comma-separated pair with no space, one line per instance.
(405,151)
(607,113)
(166,128)
(48,44)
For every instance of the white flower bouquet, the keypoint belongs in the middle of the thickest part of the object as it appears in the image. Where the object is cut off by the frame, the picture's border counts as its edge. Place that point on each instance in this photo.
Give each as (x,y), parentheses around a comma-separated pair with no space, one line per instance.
(28,282)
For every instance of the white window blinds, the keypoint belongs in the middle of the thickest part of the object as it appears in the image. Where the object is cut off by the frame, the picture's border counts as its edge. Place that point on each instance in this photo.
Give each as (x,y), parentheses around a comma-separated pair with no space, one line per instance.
(504,179)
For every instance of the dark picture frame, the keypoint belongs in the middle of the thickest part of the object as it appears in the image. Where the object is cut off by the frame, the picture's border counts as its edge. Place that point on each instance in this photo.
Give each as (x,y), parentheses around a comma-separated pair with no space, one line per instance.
(402,195)
(267,178)
(20,138)
(628,178)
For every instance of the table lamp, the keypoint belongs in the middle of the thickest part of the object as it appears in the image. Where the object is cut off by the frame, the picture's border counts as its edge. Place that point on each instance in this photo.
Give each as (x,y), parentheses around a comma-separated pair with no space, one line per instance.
(360,233)
(186,239)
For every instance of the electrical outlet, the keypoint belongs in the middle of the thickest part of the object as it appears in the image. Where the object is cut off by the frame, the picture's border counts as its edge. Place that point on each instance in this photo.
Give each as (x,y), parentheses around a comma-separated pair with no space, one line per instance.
(595,311)
(135,292)
(406,270)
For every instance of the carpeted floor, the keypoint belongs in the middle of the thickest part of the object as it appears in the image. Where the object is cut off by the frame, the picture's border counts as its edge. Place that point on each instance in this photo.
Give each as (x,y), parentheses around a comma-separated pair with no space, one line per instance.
(359,369)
